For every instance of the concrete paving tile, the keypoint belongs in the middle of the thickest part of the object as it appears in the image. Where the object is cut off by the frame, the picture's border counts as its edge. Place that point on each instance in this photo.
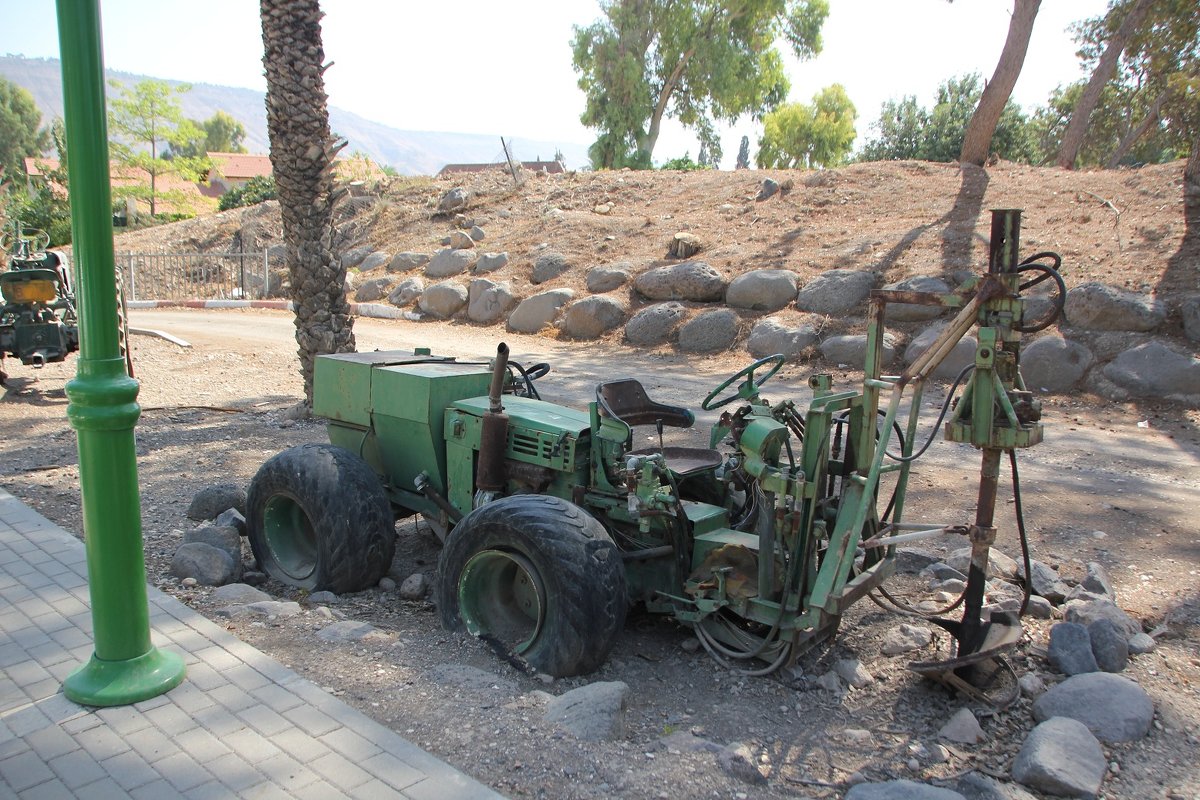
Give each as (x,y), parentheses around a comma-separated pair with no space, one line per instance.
(201,745)
(44,689)
(152,744)
(204,678)
(391,770)
(190,698)
(455,787)
(103,789)
(213,790)
(219,658)
(49,652)
(71,637)
(247,678)
(232,697)
(123,720)
(218,720)
(300,744)
(286,772)
(81,723)
(378,790)
(77,768)
(350,744)
(250,745)
(26,719)
(182,771)
(320,791)
(233,771)
(25,770)
(311,720)
(264,720)
(341,772)
(266,791)
(157,790)
(51,742)
(50,790)
(129,770)
(169,718)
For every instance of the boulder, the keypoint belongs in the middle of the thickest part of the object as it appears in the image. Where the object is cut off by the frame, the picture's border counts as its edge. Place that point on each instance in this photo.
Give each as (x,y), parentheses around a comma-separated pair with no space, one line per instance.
(1100,307)
(851,349)
(1097,581)
(489,302)
(1189,309)
(655,325)
(345,631)
(549,266)
(1061,757)
(852,671)
(539,311)
(222,538)
(415,586)
(1070,650)
(838,292)
(906,639)
(1109,645)
(762,290)
(605,279)
(1087,611)
(999,565)
(770,336)
(231,518)
(909,312)
(476,233)
(963,727)
(595,712)
(977,786)
(404,262)
(709,332)
(460,240)
(1045,582)
(691,280)
(447,262)
(443,300)
(1154,370)
(454,200)
(373,290)
(591,317)
(375,260)
(490,262)
(959,357)
(212,500)
(1054,364)
(239,593)
(406,291)
(768,189)
(210,566)
(1114,708)
(353,257)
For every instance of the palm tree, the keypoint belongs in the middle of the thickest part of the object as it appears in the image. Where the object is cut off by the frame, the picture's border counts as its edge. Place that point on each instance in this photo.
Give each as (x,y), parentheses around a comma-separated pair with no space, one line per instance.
(302,152)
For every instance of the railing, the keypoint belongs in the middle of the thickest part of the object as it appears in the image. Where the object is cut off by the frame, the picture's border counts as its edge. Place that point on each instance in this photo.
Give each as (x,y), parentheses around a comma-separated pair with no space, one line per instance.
(195,276)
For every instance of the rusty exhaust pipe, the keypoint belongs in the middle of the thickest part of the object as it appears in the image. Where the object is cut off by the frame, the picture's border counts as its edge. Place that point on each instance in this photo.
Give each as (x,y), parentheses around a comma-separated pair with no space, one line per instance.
(493,436)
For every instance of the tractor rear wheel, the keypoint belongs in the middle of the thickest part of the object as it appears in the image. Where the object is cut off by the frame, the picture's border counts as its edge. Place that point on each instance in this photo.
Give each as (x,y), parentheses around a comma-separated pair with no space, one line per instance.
(318,518)
(538,575)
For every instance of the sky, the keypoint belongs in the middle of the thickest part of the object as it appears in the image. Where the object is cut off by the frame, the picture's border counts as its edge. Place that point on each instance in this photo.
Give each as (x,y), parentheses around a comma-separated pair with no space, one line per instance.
(504,68)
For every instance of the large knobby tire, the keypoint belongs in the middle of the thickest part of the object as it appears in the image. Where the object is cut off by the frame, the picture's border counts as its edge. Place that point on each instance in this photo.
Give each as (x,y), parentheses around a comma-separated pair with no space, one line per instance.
(541,576)
(318,518)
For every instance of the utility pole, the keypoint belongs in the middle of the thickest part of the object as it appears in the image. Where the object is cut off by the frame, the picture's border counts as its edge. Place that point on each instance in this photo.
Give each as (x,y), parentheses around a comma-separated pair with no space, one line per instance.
(125,667)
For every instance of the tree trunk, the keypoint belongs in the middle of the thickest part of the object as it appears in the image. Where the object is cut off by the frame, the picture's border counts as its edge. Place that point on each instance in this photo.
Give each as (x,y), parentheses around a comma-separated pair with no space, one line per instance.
(995,95)
(1105,68)
(302,152)
(1131,138)
(1191,182)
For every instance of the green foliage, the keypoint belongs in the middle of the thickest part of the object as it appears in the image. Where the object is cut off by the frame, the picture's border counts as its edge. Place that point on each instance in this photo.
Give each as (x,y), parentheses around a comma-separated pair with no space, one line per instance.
(143,119)
(256,190)
(45,204)
(817,135)
(683,163)
(21,133)
(696,61)
(909,131)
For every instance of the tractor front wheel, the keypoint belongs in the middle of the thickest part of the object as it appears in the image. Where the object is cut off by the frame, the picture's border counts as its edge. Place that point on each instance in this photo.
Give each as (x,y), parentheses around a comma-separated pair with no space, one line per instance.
(318,518)
(540,576)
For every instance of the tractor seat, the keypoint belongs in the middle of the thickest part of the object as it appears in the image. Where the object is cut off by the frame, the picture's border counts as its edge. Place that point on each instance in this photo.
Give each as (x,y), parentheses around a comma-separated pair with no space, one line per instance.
(626,400)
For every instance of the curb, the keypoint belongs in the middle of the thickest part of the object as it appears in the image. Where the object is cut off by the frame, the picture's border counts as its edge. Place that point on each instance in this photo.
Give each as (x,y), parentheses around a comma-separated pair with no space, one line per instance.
(373,310)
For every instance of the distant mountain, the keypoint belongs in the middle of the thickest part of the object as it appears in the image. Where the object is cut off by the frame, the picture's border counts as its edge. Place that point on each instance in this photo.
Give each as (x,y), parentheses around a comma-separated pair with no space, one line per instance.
(409,152)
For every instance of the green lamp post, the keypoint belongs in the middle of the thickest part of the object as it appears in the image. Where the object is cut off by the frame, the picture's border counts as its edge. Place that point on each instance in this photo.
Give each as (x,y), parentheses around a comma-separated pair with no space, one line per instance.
(125,667)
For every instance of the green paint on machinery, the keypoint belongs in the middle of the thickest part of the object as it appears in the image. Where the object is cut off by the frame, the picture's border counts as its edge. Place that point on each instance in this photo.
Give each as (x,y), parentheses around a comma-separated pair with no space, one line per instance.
(554,523)
(38,323)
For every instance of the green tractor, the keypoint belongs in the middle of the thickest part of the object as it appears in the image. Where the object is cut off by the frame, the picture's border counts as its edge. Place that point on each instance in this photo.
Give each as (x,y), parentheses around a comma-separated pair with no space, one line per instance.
(37,319)
(554,523)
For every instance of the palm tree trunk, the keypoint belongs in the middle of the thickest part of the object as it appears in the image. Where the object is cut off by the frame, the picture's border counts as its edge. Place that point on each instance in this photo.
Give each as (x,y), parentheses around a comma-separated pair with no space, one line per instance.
(995,96)
(302,152)
(1077,128)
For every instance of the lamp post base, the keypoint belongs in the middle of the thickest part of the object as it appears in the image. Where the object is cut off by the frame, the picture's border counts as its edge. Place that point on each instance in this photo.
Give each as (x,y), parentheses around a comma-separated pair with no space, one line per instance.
(118,683)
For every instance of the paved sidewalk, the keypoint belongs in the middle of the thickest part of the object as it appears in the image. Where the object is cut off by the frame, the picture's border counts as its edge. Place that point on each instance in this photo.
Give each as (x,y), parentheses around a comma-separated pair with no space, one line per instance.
(241,724)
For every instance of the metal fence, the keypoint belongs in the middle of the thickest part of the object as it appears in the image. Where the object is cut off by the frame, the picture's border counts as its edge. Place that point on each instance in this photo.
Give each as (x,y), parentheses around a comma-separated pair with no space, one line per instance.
(195,276)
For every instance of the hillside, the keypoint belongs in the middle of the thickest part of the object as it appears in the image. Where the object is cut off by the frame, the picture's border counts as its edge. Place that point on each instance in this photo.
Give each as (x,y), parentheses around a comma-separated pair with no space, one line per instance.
(1123,228)
(409,152)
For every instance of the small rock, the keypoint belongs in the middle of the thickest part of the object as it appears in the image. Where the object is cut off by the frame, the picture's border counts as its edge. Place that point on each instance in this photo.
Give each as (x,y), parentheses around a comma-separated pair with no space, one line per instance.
(605,279)
(906,639)
(1087,611)
(254,578)
(963,727)
(999,564)
(900,790)
(911,560)
(403,262)
(1061,756)
(690,645)
(1141,643)
(595,712)
(460,240)
(454,200)
(913,765)
(239,593)
(414,587)
(768,189)
(274,608)
(490,262)
(1109,645)
(231,518)
(1039,608)
(209,565)
(189,582)
(1044,582)
(476,233)
(830,682)
(227,539)
(345,631)
(549,266)
(942,572)
(853,672)
(210,501)
(323,597)
(1032,685)
(737,760)
(938,754)
(1070,649)
(975,786)
(1098,582)
(386,584)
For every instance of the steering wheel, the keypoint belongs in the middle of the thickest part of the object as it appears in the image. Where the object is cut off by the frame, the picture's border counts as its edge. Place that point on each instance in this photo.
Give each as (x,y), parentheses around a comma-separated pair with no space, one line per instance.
(35,239)
(747,390)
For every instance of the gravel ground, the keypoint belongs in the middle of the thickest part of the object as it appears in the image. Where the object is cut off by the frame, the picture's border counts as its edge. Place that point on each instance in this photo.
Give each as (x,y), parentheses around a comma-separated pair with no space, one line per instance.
(1102,488)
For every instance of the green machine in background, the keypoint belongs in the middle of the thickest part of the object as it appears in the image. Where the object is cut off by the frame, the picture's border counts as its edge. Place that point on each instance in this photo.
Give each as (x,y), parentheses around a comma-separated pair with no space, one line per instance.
(554,521)
(38,324)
